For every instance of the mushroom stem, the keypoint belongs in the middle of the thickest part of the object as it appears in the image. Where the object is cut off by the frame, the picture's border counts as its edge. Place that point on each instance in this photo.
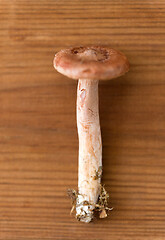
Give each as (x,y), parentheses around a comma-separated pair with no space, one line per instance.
(90,149)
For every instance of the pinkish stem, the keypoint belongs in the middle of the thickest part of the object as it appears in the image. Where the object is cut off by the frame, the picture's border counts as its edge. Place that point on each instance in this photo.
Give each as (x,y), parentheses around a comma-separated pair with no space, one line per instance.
(90,149)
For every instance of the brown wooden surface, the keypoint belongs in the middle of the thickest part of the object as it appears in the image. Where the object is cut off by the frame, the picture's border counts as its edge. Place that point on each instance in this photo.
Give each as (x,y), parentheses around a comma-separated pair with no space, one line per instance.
(38,138)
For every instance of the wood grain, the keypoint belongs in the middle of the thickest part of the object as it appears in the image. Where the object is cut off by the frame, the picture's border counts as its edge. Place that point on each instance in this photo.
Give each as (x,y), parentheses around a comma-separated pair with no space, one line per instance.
(38,137)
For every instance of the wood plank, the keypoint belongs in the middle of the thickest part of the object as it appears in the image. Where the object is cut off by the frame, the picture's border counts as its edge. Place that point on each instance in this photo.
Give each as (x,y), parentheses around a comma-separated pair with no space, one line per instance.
(38,137)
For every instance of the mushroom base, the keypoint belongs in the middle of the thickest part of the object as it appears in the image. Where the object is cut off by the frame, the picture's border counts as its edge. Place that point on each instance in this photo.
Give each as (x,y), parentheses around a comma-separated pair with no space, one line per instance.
(86,210)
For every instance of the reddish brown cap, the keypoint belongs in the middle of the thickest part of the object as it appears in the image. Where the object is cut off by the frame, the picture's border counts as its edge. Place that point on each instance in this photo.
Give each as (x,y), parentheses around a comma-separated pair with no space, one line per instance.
(100,63)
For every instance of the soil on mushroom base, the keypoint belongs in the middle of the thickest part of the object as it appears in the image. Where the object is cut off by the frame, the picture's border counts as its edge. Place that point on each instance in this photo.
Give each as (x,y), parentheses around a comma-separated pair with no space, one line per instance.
(101,206)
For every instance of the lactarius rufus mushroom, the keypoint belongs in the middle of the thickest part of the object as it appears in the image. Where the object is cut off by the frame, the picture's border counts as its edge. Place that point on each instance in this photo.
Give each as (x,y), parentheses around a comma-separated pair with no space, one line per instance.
(89,65)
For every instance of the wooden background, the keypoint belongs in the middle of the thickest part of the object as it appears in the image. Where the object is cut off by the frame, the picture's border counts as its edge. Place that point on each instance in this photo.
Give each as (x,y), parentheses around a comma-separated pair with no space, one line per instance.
(38,137)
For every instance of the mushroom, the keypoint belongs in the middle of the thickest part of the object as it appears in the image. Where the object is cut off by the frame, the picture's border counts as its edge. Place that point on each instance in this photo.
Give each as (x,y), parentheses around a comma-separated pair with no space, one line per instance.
(89,65)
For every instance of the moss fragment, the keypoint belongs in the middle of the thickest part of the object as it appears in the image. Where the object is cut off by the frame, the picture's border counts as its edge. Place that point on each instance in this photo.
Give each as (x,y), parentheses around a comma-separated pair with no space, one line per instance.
(73,194)
(102,204)
(98,173)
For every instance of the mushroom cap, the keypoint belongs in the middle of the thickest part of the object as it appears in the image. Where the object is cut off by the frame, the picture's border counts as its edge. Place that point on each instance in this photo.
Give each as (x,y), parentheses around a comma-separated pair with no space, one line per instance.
(94,62)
